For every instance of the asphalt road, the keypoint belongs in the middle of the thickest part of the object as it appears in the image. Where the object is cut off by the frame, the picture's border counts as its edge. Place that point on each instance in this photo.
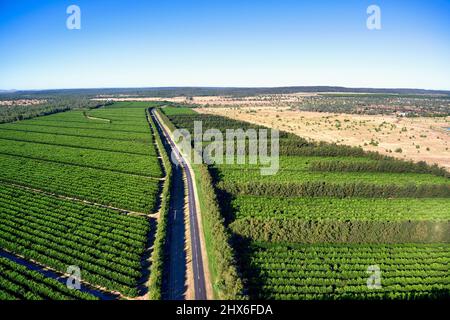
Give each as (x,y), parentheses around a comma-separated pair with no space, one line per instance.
(197,259)
(174,284)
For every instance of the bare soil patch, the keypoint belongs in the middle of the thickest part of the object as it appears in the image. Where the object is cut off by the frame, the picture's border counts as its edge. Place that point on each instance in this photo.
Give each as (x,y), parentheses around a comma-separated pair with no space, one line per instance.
(269,99)
(418,139)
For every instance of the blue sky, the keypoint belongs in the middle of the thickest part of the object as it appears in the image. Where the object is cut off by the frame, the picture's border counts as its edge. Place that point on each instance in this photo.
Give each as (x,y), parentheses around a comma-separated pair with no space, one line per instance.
(224,43)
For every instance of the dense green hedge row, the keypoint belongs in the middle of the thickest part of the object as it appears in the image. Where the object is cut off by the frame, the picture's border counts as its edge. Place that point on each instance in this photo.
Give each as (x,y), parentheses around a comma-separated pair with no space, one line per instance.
(340,190)
(166,120)
(324,150)
(155,283)
(388,165)
(228,282)
(340,209)
(301,231)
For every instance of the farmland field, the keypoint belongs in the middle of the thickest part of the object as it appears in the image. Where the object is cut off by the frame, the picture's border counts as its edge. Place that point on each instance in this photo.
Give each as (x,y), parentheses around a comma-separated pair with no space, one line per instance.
(105,244)
(67,186)
(286,175)
(292,272)
(415,138)
(330,216)
(322,208)
(19,282)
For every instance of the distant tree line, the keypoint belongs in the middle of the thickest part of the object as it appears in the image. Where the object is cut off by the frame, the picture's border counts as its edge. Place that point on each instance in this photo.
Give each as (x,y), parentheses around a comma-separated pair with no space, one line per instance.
(170,92)
(50,106)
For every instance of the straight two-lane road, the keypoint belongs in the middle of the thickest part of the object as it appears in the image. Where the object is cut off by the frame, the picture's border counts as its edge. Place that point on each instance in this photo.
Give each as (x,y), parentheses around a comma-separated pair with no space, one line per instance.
(197,259)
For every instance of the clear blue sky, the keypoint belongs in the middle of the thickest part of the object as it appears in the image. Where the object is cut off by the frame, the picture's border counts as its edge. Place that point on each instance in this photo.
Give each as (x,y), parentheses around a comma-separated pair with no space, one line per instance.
(224,43)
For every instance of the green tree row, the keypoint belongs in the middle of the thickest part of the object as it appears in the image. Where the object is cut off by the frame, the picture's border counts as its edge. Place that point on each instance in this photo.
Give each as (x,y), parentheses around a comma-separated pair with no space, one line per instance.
(388,165)
(159,254)
(302,231)
(228,282)
(340,190)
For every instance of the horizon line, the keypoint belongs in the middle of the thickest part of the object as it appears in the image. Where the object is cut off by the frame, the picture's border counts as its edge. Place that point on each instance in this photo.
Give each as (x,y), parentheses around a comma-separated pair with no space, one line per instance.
(224,87)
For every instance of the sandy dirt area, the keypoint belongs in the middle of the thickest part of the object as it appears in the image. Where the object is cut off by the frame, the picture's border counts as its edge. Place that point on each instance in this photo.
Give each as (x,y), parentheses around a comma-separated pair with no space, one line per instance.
(104,98)
(269,99)
(417,139)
